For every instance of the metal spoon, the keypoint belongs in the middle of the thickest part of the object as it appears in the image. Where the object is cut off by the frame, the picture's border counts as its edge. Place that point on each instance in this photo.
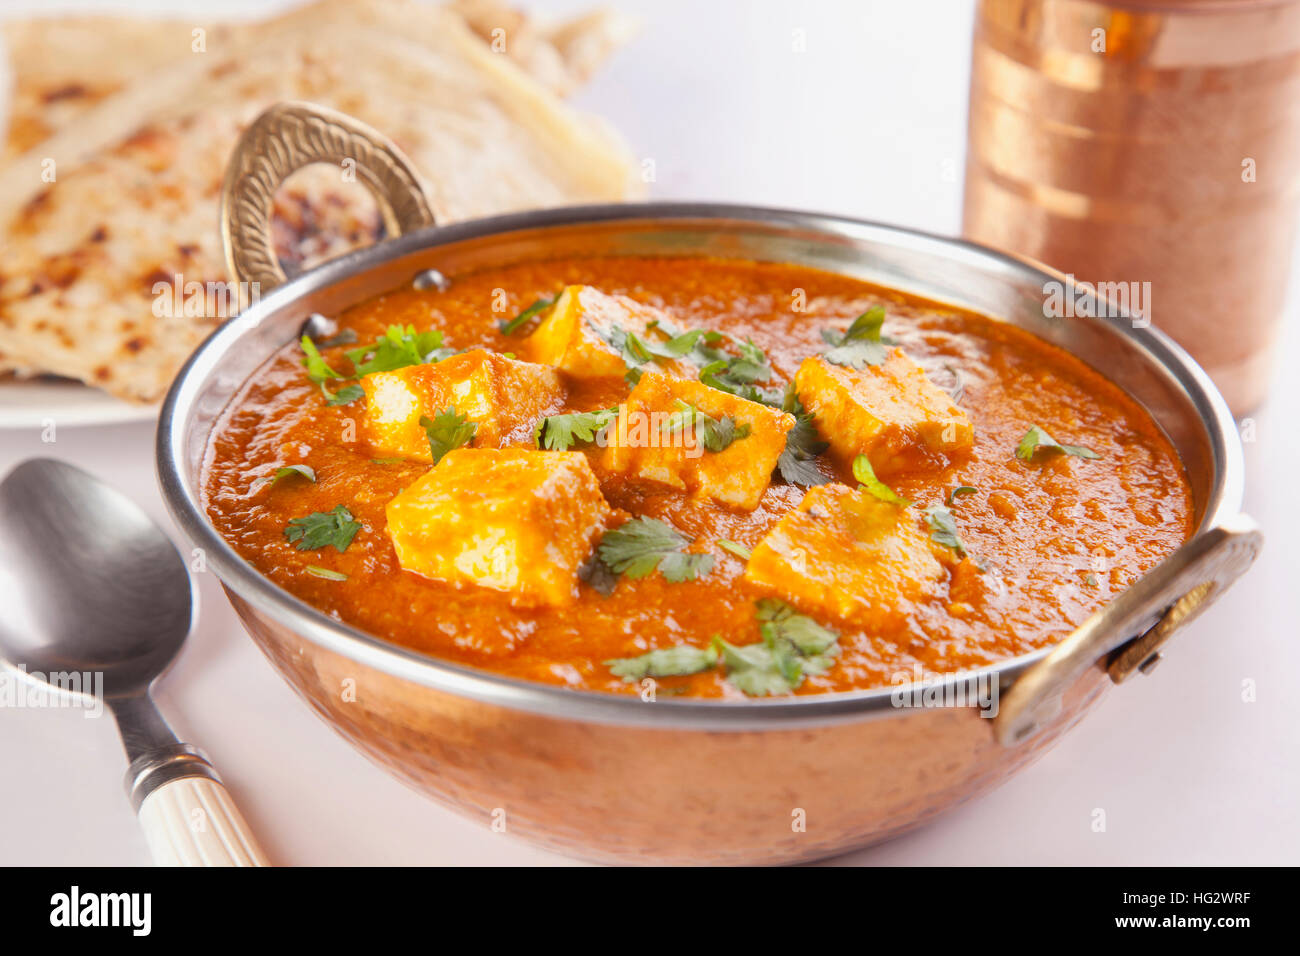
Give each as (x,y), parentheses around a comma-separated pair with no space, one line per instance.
(89,585)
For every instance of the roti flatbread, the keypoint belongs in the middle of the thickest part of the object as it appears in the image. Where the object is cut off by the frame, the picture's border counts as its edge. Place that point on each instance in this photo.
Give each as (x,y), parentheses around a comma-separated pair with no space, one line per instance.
(133,201)
(63,66)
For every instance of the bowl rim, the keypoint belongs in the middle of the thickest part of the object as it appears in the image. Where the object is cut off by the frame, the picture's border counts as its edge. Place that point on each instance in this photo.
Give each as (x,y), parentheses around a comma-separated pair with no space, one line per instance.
(558,701)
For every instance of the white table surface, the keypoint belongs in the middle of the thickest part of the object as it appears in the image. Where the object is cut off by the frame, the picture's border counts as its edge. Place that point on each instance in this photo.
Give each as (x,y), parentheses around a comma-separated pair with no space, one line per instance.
(869,121)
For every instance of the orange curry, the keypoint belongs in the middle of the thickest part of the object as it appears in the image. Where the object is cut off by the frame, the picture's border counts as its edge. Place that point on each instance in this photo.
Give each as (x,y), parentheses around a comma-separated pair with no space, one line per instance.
(730,478)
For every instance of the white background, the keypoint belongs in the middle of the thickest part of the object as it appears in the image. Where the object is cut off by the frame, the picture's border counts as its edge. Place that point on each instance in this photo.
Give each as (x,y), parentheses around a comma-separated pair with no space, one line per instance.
(870,121)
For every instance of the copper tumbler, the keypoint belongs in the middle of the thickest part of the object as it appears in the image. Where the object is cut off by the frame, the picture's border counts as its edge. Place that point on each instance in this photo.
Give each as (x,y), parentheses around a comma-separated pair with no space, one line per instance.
(1152,146)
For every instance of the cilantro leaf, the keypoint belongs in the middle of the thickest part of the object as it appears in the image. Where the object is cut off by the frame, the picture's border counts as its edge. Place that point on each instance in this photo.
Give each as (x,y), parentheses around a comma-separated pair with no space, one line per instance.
(719,433)
(559,432)
(867,480)
(399,347)
(757,670)
(447,431)
(344,396)
(794,646)
(677,566)
(943,529)
(289,471)
(737,375)
(318,369)
(513,325)
(1037,439)
(797,463)
(861,344)
(958,492)
(323,528)
(807,636)
(677,345)
(666,662)
(715,434)
(642,545)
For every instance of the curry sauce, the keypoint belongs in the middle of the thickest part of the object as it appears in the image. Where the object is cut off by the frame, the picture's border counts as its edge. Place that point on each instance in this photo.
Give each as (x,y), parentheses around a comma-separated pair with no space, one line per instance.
(1045,538)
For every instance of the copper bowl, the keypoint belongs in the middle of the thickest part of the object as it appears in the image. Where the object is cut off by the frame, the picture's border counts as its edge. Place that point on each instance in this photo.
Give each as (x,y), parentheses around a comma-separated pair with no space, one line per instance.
(612,777)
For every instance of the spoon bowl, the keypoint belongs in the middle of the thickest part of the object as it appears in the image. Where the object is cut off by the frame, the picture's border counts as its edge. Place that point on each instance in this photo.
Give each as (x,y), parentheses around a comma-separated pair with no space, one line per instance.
(88,582)
(90,585)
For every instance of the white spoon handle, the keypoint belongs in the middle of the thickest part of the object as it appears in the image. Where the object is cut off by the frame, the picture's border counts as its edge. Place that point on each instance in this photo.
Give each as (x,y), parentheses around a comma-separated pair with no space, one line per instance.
(192,821)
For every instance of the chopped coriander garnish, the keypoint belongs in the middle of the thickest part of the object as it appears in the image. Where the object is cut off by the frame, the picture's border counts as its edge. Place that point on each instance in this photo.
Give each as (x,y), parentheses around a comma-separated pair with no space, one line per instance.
(794,646)
(958,492)
(323,528)
(738,375)
(638,547)
(861,344)
(344,396)
(637,351)
(797,463)
(677,345)
(866,477)
(757,670)
(732,547)
(943,529)
(326,573)
(399,347)
(447,431)
(715,434)
(388,461)
(318,369)
(559,432)
(513,325)
(288,471)
(1037,439)
(666,662)
(735,374)
(807,636)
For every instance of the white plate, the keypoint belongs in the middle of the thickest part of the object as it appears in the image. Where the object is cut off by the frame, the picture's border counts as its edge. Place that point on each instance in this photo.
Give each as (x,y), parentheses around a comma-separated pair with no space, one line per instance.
(35,404)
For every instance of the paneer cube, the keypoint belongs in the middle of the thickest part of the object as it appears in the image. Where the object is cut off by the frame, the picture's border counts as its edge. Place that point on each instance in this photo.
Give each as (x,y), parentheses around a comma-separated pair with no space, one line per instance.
(577,334)
(516,520)
(658,437)
(503,397)
(891,412)
(847,554)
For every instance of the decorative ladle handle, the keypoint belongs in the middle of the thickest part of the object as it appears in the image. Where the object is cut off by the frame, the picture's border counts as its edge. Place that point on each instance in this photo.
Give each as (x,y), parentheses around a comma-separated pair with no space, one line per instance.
(281,141)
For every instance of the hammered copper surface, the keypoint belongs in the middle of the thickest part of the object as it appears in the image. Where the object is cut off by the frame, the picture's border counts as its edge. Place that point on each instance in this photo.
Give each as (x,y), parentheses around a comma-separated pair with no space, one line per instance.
(1169,156)
(634,795)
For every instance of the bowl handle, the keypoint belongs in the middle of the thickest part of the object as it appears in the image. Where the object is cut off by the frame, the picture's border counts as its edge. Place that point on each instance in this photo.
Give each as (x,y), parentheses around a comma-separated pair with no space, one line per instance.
(284,139)
(1186,583)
